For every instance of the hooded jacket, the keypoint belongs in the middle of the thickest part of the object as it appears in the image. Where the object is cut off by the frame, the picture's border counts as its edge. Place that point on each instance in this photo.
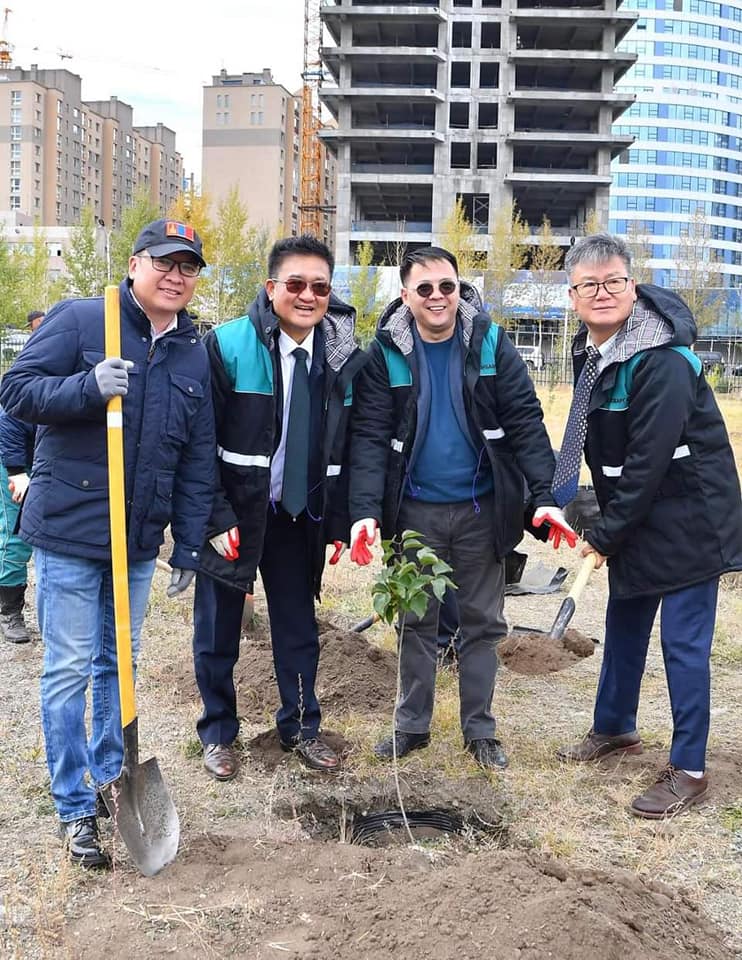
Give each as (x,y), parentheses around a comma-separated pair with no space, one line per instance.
(168,433)
(500,412)
(662,466)
(246,380)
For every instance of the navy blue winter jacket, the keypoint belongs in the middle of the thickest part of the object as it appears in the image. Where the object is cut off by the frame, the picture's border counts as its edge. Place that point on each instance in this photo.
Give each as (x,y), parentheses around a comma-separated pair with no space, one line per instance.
(16,444)
(169,440)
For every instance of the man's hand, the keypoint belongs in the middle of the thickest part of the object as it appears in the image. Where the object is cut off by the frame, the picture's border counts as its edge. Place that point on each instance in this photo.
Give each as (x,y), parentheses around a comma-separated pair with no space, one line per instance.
(180,580)
(558,527)
(599,557)
(112,377)
(226,544)
(339,551)
(362,536)
(18,485)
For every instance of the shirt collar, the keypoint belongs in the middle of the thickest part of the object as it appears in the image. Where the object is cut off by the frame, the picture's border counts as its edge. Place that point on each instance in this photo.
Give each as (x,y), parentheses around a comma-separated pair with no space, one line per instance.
(606,348)
(287,346)
(173,325)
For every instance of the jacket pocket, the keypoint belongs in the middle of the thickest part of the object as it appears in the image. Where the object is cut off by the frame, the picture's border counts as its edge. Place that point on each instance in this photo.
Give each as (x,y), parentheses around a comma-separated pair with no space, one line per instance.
(185,397)
(159,513)
(76,506)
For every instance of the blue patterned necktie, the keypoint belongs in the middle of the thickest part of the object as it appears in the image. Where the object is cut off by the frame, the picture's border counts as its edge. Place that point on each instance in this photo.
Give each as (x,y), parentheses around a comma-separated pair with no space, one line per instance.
(567,472)
(296,457)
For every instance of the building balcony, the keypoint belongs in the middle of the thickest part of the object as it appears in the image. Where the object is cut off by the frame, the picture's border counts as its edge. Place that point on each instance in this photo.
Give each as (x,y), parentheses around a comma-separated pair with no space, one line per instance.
(570,140)
(561,99)
(556,175)
(536,26)
(332,97)
(334,13)
(400,134)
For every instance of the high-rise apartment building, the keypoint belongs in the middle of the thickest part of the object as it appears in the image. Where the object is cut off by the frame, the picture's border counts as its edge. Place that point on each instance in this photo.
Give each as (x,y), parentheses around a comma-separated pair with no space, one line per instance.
(62,153)
(686,158)
(483,100)
(251,140)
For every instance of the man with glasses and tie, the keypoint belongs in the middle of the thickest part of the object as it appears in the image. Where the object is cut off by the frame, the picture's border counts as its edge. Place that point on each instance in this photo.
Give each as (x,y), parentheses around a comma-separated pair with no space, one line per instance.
(62,382)
(446,426)
(283,387)
(671,523)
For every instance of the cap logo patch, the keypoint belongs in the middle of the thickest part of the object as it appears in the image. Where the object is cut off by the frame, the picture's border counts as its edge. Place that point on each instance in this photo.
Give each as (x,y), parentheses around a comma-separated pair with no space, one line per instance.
(182,230)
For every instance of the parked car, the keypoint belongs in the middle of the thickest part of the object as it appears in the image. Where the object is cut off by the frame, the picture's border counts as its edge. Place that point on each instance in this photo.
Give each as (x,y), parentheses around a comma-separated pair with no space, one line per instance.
(712,360)
(532,355)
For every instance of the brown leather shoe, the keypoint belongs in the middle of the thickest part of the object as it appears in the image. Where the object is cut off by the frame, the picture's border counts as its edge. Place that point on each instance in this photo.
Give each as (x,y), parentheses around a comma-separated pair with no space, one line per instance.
(673,792)
(595,746)
(314,754)
(221,761)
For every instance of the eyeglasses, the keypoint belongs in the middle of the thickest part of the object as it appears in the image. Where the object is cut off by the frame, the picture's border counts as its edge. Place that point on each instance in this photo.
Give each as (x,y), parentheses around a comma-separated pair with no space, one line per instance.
(320,288)
(186,268)
(589,289)
(446,287)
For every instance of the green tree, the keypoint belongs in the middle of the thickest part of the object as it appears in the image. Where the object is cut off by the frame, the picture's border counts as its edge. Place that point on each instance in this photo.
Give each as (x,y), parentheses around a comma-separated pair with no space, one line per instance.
(364,288)
(194,208)
(86,265)
(121,241)
(37,290)
(546,257)
(699,280)
(459,238)
(11,285)
(507,255)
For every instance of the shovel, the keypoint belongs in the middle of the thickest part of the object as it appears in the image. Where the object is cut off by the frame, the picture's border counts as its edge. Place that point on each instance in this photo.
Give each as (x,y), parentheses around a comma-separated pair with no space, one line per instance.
(567,609)
(138,800)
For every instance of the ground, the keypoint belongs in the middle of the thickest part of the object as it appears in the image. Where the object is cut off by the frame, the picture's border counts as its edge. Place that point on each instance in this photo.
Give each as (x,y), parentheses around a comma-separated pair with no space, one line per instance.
(548,864)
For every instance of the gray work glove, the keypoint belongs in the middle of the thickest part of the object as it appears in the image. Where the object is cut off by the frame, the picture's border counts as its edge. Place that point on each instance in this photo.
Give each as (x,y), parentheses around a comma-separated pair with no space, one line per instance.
(112,377)
(180,580)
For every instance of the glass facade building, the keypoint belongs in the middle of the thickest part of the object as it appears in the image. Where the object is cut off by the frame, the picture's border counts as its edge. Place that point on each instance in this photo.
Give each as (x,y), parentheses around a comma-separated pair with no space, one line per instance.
(686,159)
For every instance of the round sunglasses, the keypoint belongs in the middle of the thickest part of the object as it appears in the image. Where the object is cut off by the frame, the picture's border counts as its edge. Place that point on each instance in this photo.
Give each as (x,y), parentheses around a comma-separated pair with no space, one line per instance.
(320,288)
(446,287)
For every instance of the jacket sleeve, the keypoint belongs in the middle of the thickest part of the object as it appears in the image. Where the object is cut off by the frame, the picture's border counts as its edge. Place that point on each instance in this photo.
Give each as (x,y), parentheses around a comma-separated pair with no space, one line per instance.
(222,516)
(372,428)
(50,382)
(522,419)
(193,490)
(663,396)
(16,442)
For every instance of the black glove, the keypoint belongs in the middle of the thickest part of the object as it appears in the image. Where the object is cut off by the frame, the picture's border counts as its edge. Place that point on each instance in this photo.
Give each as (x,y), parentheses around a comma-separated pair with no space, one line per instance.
(180,580)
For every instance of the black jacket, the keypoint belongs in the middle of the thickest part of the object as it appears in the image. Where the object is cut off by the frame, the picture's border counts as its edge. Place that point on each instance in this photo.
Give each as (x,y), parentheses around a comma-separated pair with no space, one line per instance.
(246,381)
(503,415)
(662,466)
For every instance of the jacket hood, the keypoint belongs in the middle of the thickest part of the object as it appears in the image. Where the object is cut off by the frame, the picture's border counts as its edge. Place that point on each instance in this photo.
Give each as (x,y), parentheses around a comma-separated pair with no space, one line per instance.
(338,327)
(397,319)
(660,318)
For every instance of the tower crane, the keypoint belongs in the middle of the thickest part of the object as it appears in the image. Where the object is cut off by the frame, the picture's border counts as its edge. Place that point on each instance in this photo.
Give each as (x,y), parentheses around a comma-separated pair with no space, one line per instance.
(6,47)
(310,181)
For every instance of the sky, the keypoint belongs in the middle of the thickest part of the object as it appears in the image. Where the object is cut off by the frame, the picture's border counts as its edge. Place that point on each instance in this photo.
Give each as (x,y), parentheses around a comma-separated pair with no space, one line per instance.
(157,56)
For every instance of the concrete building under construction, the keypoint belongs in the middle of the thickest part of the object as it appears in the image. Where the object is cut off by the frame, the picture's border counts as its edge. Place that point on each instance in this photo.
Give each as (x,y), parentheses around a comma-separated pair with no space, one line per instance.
(484,100)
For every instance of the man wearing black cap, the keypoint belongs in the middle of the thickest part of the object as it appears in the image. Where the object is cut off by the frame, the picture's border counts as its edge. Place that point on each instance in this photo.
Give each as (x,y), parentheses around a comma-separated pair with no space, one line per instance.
(62,381)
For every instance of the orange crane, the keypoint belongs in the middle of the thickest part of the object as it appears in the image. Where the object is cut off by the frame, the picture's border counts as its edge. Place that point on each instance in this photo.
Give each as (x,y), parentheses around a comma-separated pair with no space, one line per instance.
(311,209)
(6,48)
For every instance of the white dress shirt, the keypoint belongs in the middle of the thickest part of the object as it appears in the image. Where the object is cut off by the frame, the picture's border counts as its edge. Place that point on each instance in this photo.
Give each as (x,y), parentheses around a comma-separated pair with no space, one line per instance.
(286,347)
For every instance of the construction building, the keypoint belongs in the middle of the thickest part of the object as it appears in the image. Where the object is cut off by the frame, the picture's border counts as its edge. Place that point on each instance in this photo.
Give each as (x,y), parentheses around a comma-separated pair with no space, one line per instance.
(486,101)
(62,153)
(252,141)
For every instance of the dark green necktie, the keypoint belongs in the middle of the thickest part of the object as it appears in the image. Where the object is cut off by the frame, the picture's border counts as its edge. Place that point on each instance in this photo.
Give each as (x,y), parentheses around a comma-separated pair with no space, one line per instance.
(296,458)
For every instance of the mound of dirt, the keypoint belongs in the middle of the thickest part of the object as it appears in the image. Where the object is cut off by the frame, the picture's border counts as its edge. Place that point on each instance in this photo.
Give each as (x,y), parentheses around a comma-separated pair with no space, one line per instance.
(534,653)
(267,750)
(353,676)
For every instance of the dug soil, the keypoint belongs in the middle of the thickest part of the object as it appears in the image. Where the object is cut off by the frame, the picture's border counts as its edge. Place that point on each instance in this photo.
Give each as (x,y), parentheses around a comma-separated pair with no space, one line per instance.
(531,652)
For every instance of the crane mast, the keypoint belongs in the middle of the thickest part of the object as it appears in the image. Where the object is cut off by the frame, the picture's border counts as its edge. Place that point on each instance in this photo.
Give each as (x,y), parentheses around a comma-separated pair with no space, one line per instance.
(310,186)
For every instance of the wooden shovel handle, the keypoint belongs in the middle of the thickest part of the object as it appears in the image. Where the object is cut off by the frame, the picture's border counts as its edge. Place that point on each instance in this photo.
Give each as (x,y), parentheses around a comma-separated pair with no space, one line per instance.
(117,510)
(583,575)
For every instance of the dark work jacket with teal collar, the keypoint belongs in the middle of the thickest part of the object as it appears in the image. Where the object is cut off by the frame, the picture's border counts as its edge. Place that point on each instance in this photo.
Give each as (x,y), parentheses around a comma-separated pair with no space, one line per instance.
(662,466)
(500,412)
(248,396)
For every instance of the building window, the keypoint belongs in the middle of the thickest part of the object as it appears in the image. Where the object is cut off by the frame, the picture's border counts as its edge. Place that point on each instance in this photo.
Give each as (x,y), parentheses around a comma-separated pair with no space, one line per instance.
(15,203)
(486,156)
(461,74)
(488,75)
(219,100)
(461,34)
(490,36)
(15,98)
(477,210)
(460,156)
(458,116)
(15,133)
(487,116)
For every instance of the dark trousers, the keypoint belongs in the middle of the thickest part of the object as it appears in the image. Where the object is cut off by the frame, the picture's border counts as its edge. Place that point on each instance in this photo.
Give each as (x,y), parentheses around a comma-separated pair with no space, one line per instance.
(686,631)
(285,568)
(464,539)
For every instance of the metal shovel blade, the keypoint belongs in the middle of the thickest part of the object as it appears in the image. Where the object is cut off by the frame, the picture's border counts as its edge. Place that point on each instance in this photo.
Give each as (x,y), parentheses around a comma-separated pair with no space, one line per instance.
(142,809)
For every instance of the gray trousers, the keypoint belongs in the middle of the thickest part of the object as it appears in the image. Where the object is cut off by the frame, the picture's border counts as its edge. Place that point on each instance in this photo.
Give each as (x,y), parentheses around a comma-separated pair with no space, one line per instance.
(463,538)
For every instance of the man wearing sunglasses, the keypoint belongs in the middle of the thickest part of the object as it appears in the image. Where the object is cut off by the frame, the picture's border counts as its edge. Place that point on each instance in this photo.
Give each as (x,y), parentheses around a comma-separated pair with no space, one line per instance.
(62,381)
(446,426)
(283,388)
(671,517)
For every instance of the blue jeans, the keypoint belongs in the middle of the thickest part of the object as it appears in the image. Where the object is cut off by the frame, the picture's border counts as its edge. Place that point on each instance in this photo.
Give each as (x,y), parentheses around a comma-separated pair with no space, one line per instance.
(74,598)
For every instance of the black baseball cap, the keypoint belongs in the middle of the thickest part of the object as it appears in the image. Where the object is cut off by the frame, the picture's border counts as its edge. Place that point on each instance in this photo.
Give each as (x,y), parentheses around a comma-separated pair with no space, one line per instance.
(34,315)
(169,236)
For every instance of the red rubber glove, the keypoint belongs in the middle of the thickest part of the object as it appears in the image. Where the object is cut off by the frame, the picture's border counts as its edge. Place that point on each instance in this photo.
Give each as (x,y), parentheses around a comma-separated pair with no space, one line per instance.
(339,551)
(226,544)
(362,536)
(558,527)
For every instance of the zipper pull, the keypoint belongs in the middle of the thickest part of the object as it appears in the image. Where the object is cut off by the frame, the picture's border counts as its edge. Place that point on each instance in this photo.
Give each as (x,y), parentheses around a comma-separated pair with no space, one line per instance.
(151,351)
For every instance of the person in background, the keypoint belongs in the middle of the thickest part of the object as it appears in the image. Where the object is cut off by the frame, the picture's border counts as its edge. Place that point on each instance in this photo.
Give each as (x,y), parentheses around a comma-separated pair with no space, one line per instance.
(62,381)
(16,455)
(671,514)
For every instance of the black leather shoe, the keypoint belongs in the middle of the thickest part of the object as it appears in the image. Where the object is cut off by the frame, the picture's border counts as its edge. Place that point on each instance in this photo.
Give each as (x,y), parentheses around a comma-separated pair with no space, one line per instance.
(488,753)
(83,843)
(405,743)
(221,761)
(314,754)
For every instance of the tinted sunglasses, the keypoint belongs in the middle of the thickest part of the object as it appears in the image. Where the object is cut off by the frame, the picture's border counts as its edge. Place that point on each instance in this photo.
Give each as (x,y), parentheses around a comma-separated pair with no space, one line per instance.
(446,287)
(320,288)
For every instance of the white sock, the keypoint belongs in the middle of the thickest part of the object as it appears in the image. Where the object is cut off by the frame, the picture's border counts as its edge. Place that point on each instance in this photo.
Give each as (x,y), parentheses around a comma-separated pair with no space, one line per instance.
(696,774)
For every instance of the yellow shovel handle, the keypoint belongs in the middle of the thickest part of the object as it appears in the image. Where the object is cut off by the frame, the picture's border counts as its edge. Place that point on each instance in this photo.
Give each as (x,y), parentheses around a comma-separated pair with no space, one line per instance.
(586,568)
(117,509)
